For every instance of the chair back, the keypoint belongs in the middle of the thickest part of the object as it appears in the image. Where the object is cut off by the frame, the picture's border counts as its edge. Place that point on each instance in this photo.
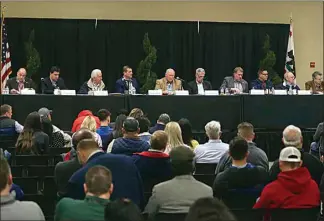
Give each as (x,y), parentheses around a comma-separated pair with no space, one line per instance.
(205,178)
(205,168)
(170,217)
(309,214)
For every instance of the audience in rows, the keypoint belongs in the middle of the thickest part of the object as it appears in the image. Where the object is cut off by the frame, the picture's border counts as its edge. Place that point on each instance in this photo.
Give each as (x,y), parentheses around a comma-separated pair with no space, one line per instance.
(80,118)
(160,124)
(90,123)
(186,133)
(173,131)
(104,130)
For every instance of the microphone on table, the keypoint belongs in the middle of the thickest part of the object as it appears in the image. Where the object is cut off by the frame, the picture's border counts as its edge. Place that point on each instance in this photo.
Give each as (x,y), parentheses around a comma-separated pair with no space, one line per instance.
(42,85)
(182,82)
(180,79)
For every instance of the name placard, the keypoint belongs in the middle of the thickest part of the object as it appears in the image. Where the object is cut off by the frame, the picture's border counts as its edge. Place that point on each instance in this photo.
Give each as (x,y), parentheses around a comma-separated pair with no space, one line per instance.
(256,92)
(211,93)
(181,93)
(68,92)
(100,93)
(304,92)
(280,92)
(28,91)
(155,92)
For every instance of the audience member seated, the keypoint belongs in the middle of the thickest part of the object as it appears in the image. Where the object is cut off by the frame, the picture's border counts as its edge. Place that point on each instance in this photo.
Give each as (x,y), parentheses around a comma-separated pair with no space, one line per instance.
(127,180)
(209,209)
(95,83)
(317,84)
(294,188)
(144,125)
(136,113)
(186,133)
(160,124)
(45,112)
(178,194)
(130,143)
(32,140)
(292,136)
(90,123)
(256,156)
(154,165)
(9,128)
(104,130)
(241,178)
(12,209)
(78,121)
(49,84)
(98,188)
(289,82)
(214,149)
(123,210)
(64,170)
(317,147)
(56,140)
(262,82)
(117,132)
(16,84)
(173,131)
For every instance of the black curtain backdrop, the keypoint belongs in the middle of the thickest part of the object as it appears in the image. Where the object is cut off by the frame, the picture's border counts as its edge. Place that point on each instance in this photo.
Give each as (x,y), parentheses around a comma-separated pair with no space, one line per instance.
(77,47)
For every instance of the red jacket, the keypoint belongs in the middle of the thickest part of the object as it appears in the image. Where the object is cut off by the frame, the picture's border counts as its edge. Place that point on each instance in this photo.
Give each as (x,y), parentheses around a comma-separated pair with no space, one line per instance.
(292,189)
(77,122)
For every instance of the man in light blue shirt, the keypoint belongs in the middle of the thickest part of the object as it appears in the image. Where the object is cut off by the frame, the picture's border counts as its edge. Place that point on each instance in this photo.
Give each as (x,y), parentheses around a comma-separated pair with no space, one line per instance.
(214,149)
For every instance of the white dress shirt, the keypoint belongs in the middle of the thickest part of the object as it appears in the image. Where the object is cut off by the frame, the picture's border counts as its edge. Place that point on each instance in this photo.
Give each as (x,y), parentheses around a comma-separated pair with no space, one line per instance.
(200,87)
(210,152)
(18,127)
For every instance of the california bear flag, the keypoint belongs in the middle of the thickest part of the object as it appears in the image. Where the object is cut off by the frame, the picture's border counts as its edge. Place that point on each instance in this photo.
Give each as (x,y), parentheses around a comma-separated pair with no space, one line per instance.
(290,56)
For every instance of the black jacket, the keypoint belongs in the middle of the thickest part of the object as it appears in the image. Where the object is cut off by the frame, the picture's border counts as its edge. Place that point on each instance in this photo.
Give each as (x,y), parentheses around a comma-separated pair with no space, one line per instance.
(48,88)
(193,89)
(40,145)
(13,84)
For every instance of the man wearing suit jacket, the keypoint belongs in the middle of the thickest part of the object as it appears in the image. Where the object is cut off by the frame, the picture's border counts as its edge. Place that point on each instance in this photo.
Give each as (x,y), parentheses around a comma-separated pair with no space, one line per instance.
(127,82)
(49,84)
(317,84)
(168,84)
(127,180)
(16,84)
(199,85)
(289,82)
(64,170)
(178,194)
(236,84)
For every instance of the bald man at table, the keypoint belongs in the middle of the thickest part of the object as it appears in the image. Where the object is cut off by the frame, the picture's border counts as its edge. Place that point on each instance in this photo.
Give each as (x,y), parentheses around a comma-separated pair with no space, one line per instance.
(168,84)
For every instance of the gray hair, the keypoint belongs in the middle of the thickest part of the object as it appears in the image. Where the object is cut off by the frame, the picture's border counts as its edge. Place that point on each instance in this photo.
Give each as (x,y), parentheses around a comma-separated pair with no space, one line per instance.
(213,129)
(95,73)
(168,70)
(316,73)
(164,118)
(199,70)
(292,136)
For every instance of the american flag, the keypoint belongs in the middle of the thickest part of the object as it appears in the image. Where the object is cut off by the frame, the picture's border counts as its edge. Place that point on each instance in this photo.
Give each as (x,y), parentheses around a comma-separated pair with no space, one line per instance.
(5,59)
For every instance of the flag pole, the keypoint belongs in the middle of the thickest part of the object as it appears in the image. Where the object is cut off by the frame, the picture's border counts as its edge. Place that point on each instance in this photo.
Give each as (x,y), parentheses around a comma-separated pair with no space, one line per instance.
(1,14)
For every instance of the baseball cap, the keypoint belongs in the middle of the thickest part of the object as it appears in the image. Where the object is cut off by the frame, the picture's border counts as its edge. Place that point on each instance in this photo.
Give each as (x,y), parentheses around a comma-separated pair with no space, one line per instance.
(130,124)
(44,112)
(290,154)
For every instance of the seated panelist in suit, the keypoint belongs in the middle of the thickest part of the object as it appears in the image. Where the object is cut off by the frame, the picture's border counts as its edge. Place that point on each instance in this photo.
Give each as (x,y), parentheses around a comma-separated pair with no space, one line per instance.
(317,84)
(236,84)
(16,84)
(262,81)
(95,83)
(127,82)
(49,84)
(289,81)
(199,86)
(168,84)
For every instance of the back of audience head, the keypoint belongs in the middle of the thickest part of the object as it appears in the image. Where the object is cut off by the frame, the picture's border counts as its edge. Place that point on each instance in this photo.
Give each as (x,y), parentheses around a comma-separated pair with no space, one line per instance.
(89,122)
(6,110)
(32,124)
(85,148)
(173,131)
(131,127)
(81,134)
(292,136)
(182,160)
(209,209)
(98,182)
(122,210)
(5,177)
(47,126)
(213,130)
(104,116)
(238,149)
(118,131)
(123,111)
(186,131)
(246,131)
(144,124)
(136,113)
(159,140)
(290,159)
(163,119)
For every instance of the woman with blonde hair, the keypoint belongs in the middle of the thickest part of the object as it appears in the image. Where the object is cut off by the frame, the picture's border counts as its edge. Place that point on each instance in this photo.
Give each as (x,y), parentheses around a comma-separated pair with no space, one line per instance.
(89,123)
(174,134)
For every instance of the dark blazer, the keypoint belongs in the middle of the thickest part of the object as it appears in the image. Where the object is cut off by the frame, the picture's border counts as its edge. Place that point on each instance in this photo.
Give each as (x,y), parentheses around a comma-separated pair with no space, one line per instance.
(62,174)
(286,87)
(257,84)
(121,85)
(228,82)
(48,88)
(13,84)
(193,89)
(156,127)
(126,178)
